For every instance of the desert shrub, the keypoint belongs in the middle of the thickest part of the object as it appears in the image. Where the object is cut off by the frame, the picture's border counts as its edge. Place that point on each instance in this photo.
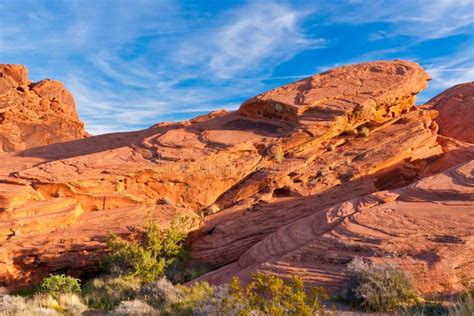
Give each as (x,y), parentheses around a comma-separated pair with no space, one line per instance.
(135,307)
(161,292)
(377,287)
(60,284)
(108,292)
(270,295)
(172,299)
(364,132)
(216,303)
(149,257)
(189,297)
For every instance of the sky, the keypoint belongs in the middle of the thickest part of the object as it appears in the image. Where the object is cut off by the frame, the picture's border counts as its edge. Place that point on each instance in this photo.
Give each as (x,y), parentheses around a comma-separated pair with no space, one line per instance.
(131,64)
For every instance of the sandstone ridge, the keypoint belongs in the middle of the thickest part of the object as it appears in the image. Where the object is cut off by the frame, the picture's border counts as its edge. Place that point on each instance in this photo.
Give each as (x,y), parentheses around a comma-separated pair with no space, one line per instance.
(298,180)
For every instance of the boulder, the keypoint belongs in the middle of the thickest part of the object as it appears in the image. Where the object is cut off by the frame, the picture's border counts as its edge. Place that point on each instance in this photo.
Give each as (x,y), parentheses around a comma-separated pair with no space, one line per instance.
(35,114)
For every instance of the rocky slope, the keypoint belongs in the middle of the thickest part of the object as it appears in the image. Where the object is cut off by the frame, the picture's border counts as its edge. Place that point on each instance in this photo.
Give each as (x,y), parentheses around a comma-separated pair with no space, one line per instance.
(297,181)
(35,113)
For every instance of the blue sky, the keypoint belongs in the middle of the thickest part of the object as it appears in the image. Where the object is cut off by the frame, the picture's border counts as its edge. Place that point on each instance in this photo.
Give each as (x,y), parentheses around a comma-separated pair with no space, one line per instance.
(131,64)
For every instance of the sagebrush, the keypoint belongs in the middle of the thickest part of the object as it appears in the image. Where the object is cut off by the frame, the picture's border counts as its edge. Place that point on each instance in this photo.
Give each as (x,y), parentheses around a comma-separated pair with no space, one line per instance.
(374,287)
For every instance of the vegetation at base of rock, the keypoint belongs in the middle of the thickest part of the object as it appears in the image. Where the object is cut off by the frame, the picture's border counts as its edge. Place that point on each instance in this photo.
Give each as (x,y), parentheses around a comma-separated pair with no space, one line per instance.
(363,132)
(374,287)
(60,284)
(270,295)
(279,156)
(107,292)
(156,250)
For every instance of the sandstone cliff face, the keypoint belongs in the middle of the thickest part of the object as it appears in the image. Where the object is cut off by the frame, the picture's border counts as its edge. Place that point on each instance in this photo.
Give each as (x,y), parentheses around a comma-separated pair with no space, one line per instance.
(299,179)
(34,114)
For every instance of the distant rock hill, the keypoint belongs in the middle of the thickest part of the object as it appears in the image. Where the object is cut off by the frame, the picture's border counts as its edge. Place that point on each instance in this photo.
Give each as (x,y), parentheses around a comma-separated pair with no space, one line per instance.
(35,114)
(298,181)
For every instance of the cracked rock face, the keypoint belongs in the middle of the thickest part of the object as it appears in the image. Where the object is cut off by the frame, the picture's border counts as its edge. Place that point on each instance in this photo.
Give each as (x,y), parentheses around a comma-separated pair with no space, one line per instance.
(35,114)
(300,179)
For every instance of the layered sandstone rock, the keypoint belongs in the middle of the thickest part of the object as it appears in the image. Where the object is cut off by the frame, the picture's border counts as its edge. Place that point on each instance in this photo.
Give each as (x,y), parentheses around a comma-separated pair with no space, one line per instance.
(424,228)
(34,114)
(285,155)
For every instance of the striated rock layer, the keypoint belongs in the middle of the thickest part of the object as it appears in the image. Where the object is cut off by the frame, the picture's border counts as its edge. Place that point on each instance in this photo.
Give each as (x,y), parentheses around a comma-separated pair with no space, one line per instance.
(285,156)
(425,228)
(35,114)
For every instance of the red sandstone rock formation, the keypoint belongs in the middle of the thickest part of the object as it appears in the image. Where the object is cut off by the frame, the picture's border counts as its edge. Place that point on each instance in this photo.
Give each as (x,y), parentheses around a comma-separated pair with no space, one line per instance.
(456,108)
(425,228)
(282,165)
(34,114)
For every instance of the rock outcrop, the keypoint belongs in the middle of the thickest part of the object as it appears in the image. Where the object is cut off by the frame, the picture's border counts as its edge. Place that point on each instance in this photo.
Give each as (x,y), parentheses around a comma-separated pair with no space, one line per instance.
(424,228)
(35,114)
(301,162)
(456,112)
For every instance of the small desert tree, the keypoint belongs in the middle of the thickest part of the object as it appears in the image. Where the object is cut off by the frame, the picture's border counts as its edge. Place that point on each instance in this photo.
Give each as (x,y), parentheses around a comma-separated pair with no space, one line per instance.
(149,257)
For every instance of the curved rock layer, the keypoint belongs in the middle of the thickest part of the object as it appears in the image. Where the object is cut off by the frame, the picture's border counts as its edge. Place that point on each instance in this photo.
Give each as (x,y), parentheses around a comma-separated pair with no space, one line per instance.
(284,155)
(35,114)
(424,228)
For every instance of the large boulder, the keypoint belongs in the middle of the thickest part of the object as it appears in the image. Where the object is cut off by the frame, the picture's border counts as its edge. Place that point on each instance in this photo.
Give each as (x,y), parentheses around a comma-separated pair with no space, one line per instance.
(35,114)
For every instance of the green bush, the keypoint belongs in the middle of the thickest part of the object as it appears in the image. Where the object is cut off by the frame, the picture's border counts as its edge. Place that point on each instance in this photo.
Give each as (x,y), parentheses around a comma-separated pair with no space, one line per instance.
(270,295)
(107,292)
(149,257)
(60,284)
(377,287)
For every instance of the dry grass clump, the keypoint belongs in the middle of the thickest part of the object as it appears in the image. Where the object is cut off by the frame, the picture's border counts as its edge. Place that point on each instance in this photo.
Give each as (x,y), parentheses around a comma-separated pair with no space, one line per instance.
(107,292)
(12,305)
(41,304)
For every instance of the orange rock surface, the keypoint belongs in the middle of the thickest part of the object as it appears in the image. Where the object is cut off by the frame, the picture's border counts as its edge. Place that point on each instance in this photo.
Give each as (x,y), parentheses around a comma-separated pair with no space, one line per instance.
(34,114)
(299,161)
(456,108)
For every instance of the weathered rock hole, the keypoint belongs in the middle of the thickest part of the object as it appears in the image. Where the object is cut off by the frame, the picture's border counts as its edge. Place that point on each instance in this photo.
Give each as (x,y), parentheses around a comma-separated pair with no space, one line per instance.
(281,192)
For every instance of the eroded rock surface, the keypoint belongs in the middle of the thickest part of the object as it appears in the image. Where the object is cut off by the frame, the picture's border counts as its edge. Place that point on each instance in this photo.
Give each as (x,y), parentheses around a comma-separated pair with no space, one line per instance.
(287,155)
(35,114)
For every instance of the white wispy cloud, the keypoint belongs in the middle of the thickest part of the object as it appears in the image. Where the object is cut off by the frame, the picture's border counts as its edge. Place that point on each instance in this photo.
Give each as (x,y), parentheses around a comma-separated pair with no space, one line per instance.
(423,19)
(118,84)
